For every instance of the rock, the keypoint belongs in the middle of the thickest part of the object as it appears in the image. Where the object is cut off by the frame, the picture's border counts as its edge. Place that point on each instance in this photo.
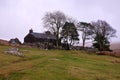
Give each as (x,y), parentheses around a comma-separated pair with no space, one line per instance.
(14,51)
(54,59)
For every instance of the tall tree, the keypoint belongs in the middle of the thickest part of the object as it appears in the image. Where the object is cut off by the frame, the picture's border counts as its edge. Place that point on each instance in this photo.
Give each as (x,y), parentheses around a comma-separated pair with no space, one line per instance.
(54,22)
(69,33)
(85,28)
(102,33)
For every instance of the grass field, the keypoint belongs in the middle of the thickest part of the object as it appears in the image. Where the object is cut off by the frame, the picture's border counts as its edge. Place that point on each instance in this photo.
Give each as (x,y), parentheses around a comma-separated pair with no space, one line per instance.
(57,65)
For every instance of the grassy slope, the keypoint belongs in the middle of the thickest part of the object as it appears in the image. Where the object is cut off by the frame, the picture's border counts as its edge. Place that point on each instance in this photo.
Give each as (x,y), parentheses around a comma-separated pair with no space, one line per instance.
(57,65)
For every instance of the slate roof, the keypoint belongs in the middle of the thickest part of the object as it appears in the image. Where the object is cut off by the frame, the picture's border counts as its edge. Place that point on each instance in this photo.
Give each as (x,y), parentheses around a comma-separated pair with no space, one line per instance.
(43,35)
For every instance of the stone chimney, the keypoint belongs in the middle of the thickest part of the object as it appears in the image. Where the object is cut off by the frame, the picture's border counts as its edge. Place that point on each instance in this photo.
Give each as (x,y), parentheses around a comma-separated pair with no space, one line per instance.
(31,31)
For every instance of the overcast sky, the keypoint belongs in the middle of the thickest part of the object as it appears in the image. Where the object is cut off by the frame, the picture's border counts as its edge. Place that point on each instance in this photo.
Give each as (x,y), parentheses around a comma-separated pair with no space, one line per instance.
(18,16)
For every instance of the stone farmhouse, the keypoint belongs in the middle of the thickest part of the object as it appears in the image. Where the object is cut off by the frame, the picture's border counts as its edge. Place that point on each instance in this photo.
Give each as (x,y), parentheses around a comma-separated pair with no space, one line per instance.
(45,38)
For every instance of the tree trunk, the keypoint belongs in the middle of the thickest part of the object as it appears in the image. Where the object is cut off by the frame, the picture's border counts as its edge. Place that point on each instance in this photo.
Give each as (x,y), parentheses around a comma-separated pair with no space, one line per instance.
(99,41)
(71,43)
(83,43)
(57,37)
(83,38)
(57,40)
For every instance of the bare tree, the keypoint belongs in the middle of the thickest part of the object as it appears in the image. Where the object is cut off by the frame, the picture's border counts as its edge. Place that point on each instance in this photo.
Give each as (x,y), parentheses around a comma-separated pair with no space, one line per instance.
(102,33)
(72,20)
(54,22)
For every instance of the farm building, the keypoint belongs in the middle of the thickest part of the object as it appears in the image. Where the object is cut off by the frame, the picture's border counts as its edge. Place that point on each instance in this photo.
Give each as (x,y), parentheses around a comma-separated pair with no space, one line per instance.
(41,38)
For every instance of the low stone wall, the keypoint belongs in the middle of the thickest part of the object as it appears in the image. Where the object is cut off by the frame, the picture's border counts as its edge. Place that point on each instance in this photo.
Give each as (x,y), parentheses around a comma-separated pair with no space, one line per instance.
(116,54)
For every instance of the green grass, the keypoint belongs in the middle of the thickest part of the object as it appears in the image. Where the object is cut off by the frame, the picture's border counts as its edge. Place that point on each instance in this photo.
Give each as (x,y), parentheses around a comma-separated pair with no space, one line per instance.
(57,65)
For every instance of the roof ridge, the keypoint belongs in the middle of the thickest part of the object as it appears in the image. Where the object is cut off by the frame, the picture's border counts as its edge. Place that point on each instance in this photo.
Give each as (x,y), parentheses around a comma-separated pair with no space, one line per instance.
(43,35)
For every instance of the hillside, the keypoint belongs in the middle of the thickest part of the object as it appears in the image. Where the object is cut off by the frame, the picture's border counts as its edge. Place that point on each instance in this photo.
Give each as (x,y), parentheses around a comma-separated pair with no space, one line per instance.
(115,46)
(57,65)
(4,42)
